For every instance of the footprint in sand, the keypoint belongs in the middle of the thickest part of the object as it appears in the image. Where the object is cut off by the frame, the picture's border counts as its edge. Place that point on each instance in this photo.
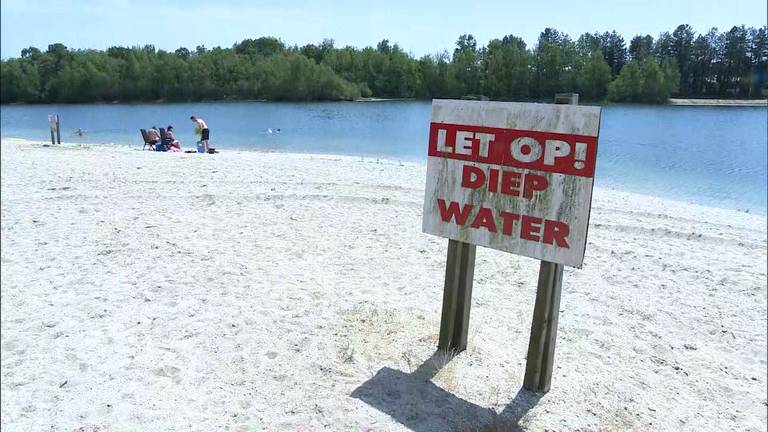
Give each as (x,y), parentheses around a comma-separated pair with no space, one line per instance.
(91,429)
(10,346)
(169,372)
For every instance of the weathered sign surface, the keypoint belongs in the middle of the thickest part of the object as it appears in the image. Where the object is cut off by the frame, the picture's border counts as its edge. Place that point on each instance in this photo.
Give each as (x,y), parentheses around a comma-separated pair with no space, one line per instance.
(512,176)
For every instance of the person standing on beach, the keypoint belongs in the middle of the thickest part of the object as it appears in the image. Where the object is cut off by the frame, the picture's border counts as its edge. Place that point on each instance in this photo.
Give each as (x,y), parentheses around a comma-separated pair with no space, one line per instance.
(202,127)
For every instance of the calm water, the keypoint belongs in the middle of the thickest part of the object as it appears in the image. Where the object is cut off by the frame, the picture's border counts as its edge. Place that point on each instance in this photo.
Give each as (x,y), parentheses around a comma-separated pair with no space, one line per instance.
(708,155)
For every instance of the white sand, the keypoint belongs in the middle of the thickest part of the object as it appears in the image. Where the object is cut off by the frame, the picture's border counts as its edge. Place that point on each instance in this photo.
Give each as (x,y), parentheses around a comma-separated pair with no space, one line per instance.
(248,291)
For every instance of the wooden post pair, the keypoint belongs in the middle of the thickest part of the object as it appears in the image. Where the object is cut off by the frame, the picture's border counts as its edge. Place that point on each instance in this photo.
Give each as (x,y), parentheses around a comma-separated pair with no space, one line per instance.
(457,300)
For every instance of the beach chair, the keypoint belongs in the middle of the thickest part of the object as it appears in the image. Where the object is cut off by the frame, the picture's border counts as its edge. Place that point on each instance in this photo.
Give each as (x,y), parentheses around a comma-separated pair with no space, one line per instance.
(147,143)
(163,145)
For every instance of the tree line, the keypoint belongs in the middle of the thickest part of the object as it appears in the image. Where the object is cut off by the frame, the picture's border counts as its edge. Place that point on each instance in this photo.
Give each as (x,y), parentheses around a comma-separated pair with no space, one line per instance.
(599,66)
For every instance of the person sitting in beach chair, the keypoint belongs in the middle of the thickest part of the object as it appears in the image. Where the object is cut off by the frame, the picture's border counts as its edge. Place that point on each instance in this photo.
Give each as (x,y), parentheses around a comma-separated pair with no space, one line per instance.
(174,145)
(149,142)
(151,137)
(163,144)
(153,134)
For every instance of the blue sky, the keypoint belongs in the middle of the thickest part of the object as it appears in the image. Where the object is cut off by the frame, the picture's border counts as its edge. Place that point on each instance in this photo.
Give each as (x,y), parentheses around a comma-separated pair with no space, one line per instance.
(420,27)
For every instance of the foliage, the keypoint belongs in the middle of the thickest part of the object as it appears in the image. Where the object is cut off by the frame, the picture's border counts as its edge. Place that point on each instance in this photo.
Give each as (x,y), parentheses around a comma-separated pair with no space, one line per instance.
(553,60)
(645,81)
(507,64)
(592,76)
(715,64)
(640,47)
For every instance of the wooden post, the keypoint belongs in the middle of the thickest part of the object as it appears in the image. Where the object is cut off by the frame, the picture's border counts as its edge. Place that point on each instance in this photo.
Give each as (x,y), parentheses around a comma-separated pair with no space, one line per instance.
(58,129)
(51,125)
(457,296)
(541,345)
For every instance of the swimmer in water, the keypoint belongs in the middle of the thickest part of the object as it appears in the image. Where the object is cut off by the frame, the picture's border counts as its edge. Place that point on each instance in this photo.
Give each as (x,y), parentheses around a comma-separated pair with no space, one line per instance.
(80,132)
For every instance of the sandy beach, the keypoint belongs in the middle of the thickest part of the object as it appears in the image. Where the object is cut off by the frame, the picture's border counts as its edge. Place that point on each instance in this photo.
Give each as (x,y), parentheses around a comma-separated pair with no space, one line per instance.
(250,291)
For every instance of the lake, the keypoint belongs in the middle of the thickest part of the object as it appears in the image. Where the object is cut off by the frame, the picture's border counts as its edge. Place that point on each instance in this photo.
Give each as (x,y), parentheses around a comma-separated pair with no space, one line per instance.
(708,155)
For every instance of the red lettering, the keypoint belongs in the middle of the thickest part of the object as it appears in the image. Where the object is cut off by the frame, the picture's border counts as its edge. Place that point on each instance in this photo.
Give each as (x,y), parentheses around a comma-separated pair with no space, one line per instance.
(570,154)
(509,221)
(484,218)
(452,211)
(556,231)
(493,180)
(510,183)
(530,228)
(466,177)
(532,183)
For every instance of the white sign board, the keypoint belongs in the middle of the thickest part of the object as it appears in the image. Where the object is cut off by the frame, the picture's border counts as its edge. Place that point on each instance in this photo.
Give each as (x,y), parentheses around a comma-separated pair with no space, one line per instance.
(512,176)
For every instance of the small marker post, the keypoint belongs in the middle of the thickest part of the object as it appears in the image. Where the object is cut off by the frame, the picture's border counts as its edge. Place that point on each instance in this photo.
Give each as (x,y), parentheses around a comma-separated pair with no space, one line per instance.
(58,129)
(52,127)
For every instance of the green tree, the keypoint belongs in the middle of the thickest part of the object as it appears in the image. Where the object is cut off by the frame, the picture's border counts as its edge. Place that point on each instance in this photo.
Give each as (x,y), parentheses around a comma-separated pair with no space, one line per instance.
(703,55)
(437,77)
(736,65)
(614,51)
(507,68)
(466,60)
(11,81)
(592,76)
(640,47)
(758,54)
(263,46)
(553,60)
(645,81)
(722,64)
(682,50)
(664,46)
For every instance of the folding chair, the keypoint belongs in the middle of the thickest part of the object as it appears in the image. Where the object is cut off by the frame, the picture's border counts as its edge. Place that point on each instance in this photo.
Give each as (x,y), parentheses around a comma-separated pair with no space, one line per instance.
(147,143)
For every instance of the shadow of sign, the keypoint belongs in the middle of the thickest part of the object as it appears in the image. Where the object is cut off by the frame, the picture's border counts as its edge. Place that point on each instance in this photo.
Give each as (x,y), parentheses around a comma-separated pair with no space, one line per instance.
(414,401)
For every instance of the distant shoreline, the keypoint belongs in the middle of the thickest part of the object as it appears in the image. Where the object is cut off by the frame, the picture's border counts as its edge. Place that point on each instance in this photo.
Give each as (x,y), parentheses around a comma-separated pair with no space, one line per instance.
(671,102)
(719,102)
(376,99)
